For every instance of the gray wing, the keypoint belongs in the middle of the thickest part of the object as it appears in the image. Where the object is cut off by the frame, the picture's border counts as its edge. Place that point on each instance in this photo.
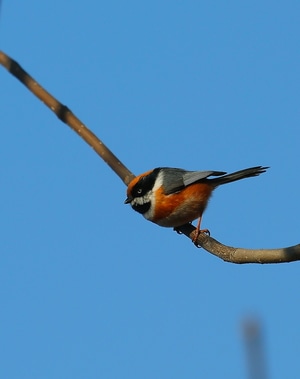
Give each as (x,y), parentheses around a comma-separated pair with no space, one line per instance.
(191,177)
(176,179)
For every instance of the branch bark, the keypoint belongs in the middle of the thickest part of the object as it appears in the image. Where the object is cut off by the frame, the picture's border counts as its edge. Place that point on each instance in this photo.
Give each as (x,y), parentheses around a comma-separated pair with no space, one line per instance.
(67,116)
(227,253)
(241,255)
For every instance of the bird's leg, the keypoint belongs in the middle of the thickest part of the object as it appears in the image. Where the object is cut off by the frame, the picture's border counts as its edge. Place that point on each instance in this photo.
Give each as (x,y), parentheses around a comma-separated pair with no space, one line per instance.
(198,230)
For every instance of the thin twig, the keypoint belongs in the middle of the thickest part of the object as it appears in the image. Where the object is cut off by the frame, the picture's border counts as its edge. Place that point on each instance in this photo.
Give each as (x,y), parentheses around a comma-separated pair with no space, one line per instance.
(229,254)
(67,116)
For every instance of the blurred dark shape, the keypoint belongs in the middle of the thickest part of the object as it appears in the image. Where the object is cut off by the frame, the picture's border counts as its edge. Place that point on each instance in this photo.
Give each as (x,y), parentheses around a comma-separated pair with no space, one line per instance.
(254,345)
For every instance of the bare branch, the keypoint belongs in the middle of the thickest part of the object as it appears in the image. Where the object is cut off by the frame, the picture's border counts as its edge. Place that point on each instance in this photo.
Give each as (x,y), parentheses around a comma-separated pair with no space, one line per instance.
(229,254)
(67,116)
(241,255)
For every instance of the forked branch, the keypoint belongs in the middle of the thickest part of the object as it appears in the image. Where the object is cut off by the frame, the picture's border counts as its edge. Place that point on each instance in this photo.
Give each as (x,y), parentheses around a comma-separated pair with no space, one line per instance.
(229,254)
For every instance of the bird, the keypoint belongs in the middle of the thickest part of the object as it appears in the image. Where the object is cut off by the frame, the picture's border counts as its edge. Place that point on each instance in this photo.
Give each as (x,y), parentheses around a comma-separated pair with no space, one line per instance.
(172,197)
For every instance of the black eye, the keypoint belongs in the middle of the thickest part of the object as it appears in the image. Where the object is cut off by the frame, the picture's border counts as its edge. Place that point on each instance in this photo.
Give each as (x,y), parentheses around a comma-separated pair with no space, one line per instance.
(145,184)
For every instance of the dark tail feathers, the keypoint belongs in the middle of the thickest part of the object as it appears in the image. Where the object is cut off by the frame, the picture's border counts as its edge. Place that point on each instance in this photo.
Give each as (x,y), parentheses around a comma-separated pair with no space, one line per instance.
(246,173)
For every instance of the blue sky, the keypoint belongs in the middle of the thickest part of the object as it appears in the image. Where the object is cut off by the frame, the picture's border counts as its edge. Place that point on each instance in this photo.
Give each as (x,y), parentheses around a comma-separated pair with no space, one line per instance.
(88,288)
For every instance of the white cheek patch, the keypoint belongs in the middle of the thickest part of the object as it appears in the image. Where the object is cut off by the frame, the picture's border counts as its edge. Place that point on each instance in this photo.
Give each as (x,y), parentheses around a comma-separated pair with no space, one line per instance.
(142,199)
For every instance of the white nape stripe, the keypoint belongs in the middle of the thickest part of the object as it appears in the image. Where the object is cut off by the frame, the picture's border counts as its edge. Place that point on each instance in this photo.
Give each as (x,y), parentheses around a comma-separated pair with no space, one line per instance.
(159,181)
(149,215)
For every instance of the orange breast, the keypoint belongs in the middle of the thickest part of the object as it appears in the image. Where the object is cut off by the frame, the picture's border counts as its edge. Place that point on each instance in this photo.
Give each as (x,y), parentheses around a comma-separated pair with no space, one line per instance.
(181,207)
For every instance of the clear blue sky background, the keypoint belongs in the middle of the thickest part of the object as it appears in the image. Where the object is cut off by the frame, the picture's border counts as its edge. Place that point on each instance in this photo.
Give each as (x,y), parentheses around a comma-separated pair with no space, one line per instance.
(88,288)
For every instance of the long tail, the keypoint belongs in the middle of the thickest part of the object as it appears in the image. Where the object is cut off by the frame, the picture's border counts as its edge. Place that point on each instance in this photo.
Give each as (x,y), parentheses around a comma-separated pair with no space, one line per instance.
(246,173)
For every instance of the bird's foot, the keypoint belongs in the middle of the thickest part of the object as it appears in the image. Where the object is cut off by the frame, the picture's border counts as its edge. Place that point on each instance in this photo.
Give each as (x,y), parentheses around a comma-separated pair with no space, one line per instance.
(196,235)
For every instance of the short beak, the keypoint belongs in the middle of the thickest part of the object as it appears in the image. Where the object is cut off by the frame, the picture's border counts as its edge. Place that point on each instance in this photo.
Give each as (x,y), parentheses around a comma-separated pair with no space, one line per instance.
(128,200)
